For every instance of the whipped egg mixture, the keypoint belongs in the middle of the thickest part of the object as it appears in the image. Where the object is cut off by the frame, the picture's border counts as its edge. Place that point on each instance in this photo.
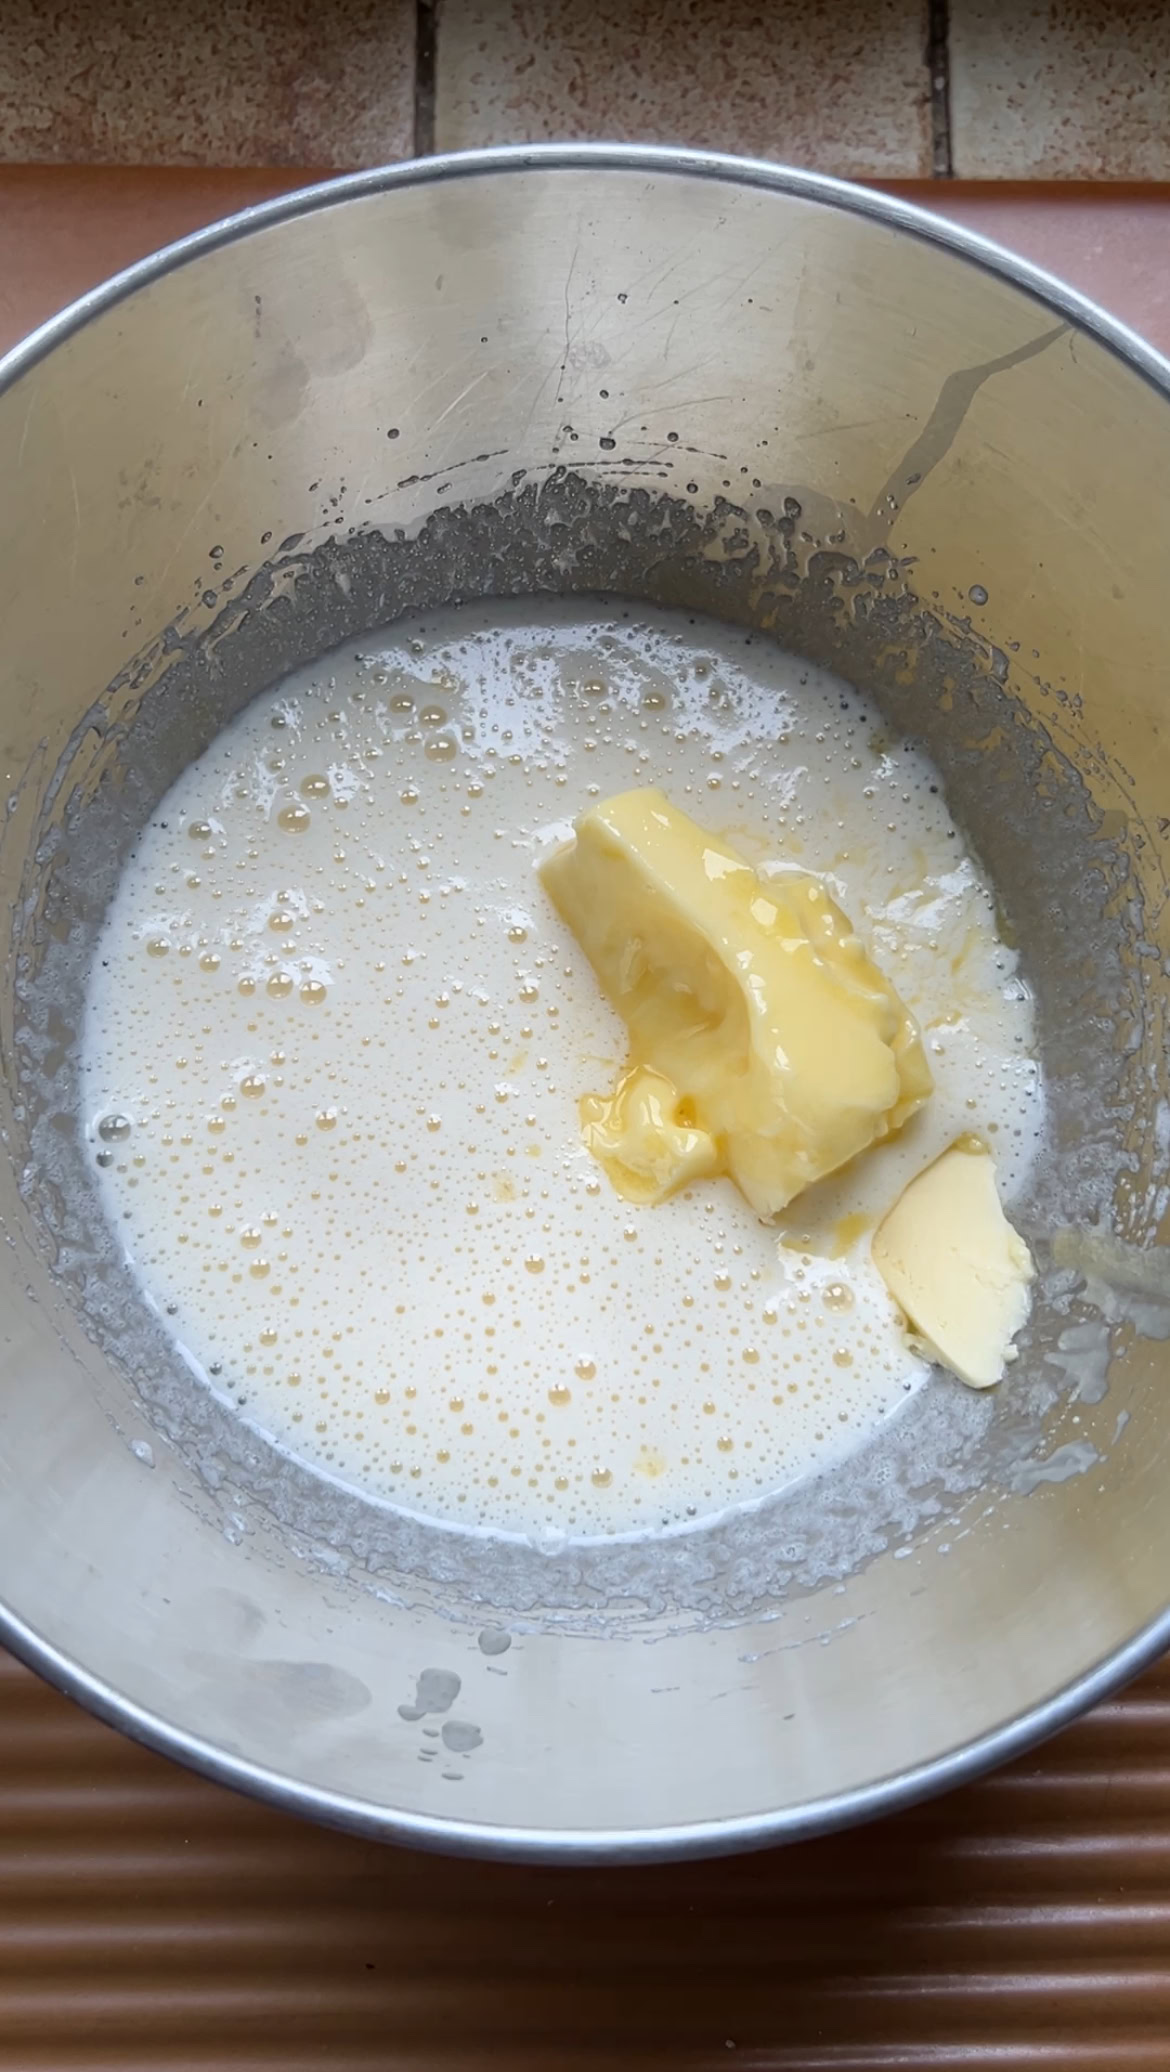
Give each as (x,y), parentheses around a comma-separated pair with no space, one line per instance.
(336,1034)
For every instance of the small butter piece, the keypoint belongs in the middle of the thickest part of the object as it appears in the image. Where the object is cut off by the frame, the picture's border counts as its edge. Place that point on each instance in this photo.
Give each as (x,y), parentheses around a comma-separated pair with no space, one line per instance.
(953,1263)
(645,1136)
(754,1005)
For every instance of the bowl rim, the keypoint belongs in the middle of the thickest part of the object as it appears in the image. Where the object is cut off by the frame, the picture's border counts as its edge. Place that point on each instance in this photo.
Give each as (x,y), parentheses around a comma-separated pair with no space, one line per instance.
(453,1836)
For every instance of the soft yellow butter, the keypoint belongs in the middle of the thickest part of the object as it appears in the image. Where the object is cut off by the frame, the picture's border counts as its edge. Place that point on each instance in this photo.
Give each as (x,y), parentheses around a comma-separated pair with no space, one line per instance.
(645,1136)
(758,1025)
(953,1263)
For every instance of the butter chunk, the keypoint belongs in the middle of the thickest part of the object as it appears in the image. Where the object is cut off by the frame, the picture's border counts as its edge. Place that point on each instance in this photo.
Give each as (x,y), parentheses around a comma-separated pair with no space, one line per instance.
(755,1005)
(953,1263)
(645,1138)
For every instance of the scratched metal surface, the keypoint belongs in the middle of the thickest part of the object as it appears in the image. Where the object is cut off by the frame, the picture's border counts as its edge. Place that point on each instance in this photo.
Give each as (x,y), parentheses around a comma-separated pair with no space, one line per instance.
(150,1922)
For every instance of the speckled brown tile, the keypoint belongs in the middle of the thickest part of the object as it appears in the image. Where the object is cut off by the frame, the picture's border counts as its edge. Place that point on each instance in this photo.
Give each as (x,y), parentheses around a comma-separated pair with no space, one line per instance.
(831,84)
(1079,90)
(207,82)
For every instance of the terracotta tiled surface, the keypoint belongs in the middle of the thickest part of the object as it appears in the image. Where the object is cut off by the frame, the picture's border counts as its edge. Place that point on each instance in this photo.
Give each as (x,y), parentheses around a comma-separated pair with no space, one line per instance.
(207,82)
(826,83)
(1078,90)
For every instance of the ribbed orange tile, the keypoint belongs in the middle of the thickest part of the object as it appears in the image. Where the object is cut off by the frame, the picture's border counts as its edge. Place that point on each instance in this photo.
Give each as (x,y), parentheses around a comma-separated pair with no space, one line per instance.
(154,1923)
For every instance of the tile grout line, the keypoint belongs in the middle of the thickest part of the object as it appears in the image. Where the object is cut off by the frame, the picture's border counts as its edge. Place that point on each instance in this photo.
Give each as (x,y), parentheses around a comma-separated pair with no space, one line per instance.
(425,27)
(938,60)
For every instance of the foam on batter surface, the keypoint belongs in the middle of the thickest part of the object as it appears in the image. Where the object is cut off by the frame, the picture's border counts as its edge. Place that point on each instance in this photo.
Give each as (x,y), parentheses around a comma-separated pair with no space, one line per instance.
(336,1034)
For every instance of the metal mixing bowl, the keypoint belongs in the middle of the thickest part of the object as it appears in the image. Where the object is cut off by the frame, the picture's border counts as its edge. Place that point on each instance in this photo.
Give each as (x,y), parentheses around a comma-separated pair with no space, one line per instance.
(691,380)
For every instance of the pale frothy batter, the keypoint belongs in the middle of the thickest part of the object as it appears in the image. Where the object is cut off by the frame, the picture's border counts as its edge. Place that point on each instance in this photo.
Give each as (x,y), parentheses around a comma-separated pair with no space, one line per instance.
(336,1035)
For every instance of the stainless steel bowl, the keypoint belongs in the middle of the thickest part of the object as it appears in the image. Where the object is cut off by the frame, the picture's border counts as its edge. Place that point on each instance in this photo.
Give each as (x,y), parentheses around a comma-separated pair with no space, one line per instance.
(683,378)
